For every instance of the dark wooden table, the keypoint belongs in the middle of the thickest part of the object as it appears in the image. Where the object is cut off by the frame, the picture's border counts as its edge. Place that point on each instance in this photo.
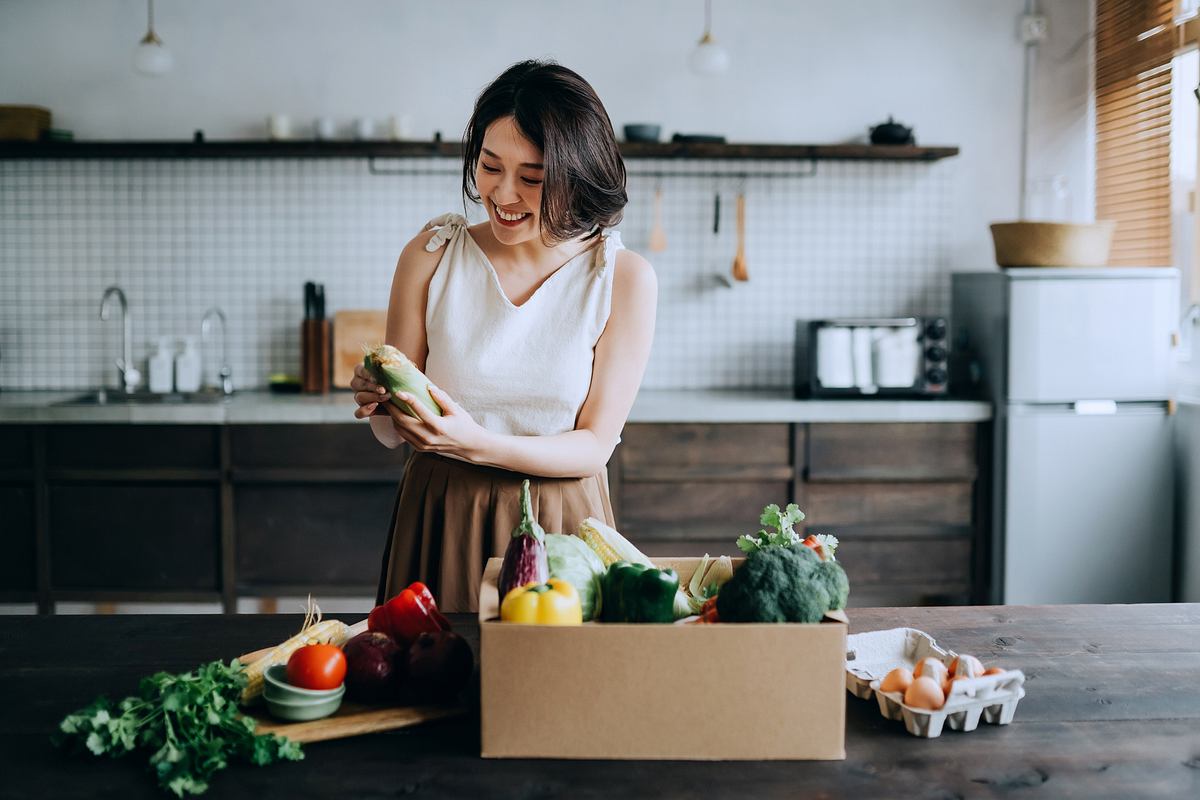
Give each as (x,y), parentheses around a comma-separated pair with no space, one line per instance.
(1112,710)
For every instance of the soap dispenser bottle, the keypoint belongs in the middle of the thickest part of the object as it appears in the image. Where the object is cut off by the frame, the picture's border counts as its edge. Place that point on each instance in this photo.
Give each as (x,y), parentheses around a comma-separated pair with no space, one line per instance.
(161,365)
(187,367)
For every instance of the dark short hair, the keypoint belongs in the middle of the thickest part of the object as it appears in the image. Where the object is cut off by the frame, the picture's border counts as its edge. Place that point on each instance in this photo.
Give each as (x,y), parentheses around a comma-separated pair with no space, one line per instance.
(584,184)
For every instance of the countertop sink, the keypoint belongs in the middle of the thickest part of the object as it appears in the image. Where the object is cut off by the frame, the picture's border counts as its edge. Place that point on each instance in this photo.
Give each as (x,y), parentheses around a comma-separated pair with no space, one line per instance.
(109,397)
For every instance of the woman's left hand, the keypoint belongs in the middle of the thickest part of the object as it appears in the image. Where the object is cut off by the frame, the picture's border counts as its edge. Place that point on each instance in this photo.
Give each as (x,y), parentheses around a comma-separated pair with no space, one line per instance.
(454,433)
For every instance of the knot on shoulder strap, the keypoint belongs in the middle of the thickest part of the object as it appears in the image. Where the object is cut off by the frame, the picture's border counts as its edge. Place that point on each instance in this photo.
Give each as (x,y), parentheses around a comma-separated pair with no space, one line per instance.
(606,253)
(447,225)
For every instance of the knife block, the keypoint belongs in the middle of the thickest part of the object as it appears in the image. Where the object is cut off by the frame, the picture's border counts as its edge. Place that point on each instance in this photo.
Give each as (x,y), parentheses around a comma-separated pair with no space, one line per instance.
(316,359)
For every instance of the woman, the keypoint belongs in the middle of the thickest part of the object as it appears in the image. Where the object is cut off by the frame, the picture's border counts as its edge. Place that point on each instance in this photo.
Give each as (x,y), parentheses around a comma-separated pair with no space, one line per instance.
(536,325)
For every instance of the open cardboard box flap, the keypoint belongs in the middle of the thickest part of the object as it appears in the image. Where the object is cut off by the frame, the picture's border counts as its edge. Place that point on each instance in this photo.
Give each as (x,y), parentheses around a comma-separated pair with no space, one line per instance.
(621,691)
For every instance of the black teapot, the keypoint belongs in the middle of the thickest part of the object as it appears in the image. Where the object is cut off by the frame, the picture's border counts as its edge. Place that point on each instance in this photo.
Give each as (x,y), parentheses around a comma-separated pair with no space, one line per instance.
(892,132)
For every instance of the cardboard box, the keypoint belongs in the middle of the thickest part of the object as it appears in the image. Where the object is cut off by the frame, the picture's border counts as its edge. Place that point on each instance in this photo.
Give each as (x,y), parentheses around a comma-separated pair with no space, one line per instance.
(700,692)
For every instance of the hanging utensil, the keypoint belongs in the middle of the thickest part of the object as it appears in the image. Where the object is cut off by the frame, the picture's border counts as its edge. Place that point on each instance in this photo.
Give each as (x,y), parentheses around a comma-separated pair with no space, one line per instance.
(716,239)
(658,237)
(739,260)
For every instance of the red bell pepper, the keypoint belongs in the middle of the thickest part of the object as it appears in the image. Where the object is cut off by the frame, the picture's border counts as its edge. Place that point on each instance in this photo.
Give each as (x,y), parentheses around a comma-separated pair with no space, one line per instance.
(407,615)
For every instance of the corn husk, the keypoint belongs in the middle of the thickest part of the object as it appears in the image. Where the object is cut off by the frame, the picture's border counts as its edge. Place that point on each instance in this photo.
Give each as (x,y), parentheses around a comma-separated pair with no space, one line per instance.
(396,372)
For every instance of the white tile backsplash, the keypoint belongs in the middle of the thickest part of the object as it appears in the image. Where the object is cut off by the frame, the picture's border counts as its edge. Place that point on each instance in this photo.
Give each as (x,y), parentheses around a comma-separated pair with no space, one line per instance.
(179,236)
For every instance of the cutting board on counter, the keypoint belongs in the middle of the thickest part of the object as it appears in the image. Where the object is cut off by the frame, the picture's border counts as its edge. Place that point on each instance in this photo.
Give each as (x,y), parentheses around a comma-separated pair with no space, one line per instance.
(351,719)
(352,328)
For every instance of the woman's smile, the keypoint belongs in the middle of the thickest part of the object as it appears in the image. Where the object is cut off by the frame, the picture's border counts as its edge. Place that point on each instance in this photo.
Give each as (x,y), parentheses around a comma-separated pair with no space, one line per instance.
(509,219)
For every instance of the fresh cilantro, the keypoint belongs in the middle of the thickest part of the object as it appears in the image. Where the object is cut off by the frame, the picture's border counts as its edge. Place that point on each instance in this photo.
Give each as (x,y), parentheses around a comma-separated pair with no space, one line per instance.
(188,723)
(782,522)
(829,543)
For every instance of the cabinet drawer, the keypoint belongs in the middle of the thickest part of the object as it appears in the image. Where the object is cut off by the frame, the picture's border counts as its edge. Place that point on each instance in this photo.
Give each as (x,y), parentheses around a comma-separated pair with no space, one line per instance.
(923,562)
(311,535)
(833,504)
(16,447)
(18,568)
(907,451)
(140,447)
(332,446)
(106,536)
(658,451)
(909,595)
(696,509)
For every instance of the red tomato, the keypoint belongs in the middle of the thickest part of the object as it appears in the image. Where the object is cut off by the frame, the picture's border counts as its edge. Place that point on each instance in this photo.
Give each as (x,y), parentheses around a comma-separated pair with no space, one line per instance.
(317,666)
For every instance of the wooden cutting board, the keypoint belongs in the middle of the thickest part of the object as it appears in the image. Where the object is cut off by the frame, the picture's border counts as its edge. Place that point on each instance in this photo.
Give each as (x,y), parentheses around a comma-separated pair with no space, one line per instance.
(351,719)
(352,328)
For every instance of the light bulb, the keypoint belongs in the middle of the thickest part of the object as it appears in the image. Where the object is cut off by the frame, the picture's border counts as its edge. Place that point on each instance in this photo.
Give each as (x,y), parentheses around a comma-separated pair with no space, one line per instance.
(153,58)
(709,58)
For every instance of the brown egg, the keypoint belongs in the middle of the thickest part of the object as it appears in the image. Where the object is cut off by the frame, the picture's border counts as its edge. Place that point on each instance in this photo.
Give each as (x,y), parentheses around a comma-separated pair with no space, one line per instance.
(950,683)
(898,680)
(925,693)
(966,666)
(930,667)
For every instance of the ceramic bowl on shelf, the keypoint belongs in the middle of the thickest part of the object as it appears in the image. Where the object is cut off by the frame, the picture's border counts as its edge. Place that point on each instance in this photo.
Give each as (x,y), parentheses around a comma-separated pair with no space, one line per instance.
(642,132)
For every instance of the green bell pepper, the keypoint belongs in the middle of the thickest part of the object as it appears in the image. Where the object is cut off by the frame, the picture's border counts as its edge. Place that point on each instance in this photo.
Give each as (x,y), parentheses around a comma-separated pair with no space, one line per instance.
(637,593)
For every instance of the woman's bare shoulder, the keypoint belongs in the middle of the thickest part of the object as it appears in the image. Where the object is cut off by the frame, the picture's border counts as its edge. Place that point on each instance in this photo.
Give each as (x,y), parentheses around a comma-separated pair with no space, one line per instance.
(416,262)
(633,271)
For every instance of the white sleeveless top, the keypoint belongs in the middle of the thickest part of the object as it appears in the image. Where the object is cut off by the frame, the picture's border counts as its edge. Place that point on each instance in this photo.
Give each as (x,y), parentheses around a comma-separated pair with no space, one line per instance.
(521,370)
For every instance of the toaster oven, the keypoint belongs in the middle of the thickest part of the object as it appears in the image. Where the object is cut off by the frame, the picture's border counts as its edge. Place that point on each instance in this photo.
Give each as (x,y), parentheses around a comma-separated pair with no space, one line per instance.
(872,357)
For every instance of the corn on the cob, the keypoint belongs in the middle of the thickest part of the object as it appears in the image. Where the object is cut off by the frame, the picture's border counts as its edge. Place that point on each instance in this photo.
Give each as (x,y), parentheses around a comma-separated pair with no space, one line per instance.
(395,372)
(610,545)
(331,631)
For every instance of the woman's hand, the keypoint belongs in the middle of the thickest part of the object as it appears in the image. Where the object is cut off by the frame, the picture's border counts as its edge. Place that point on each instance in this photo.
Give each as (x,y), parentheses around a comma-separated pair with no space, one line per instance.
(454,433)
(368,394)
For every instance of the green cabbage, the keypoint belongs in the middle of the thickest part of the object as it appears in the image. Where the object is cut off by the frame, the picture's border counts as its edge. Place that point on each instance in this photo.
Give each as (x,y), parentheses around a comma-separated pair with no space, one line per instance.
(570,558)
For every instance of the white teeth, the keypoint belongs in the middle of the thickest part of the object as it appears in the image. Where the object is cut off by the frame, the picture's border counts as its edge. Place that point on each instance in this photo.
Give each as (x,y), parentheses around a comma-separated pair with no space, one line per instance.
(504,215)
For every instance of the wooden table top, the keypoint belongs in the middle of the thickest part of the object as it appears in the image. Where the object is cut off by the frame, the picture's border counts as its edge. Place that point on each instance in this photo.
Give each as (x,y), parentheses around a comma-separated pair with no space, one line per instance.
(1112,710)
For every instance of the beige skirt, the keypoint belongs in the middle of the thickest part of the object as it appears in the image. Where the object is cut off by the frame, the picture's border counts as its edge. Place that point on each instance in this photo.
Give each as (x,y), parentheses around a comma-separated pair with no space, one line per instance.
(451,517)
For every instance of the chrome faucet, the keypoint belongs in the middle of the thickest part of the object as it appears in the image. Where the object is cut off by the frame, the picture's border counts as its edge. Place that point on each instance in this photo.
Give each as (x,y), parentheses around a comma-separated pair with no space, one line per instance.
(130,376)
(205,328)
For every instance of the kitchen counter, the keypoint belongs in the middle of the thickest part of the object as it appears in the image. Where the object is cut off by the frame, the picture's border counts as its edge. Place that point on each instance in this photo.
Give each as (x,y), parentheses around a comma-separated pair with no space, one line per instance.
(701,405)
(1111,710)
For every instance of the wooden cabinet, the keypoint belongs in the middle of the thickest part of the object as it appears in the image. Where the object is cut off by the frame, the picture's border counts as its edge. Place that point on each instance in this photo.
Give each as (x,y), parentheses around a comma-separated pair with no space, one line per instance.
(18,532)
(902,497)
(128,537)
(214,512)
(680,489)
(312,506)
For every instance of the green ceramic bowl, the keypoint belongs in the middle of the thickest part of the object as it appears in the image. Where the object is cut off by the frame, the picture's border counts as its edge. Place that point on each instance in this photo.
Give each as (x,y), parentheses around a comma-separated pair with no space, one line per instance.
(276,687)
(304,710)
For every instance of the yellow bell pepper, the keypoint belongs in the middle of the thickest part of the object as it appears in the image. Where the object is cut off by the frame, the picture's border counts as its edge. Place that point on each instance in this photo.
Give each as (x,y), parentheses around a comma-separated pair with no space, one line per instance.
(554,602)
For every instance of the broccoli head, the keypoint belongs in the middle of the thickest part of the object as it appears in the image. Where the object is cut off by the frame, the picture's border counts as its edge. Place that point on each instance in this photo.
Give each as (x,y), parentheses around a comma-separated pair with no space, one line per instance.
(833,578)
(776,584)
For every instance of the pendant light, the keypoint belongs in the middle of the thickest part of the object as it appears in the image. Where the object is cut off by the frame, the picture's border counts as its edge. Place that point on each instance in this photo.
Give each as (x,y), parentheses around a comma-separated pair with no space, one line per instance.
(153,58)
(708,58)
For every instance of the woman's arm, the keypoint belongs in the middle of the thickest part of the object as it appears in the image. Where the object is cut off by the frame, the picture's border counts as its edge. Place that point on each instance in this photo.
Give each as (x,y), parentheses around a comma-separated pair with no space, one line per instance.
(405,331)
(619,364)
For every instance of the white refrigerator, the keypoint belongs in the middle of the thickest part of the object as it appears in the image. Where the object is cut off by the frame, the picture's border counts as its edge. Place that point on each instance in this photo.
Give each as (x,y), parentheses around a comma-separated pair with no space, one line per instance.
(1079,365)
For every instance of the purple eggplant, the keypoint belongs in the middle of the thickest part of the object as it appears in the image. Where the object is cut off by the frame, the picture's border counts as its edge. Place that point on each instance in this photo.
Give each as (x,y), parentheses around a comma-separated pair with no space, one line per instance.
(525,557)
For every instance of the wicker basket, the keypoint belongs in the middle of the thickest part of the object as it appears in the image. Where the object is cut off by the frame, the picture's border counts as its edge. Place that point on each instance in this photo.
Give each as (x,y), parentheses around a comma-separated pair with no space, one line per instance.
(1052,244)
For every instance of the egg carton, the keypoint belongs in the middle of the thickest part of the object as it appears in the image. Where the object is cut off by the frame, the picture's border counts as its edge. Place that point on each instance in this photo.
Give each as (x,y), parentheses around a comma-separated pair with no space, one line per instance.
(871,656)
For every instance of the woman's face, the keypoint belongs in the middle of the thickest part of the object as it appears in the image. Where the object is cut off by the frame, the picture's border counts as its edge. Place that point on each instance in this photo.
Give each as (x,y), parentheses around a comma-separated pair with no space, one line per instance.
(509,179)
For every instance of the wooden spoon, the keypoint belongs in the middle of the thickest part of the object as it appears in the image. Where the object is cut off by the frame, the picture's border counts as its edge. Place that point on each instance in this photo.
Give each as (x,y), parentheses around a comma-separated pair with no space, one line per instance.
(739,260)
(658,237)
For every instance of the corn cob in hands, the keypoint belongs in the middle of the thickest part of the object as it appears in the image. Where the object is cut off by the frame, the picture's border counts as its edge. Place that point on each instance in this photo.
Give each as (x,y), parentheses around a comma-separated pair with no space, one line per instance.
(395,372)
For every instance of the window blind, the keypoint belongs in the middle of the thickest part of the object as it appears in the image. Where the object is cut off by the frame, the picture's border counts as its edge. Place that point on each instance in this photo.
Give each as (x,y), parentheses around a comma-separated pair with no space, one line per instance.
(1135,42)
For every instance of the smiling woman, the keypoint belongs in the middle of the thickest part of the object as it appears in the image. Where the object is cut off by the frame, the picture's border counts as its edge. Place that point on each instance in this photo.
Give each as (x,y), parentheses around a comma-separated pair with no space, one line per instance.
(534,328)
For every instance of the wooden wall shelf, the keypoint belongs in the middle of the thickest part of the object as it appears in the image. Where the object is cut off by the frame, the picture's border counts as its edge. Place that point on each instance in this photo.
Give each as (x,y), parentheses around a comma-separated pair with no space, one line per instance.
(427,149)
